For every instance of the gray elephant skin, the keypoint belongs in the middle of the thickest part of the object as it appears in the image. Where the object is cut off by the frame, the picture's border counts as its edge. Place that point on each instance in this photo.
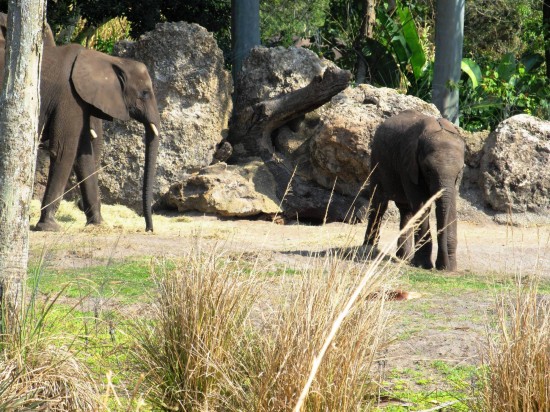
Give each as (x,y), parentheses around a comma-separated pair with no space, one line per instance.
(413,157)
(79,88)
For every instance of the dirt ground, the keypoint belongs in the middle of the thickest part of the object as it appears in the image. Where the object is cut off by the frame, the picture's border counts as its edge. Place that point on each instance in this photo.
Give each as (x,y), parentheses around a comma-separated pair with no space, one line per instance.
(448,327)
(483,247)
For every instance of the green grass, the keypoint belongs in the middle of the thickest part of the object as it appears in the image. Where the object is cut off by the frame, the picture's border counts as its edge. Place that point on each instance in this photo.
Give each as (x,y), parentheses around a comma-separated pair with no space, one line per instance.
(426,386)
(124,281)
(442,282)
(100,331)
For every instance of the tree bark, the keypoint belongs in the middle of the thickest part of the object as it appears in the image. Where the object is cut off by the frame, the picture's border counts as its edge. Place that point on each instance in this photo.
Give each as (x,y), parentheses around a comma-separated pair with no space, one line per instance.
(546,30)
(449,37)
(252,126)
(245,31)
(365,32)
(19,113)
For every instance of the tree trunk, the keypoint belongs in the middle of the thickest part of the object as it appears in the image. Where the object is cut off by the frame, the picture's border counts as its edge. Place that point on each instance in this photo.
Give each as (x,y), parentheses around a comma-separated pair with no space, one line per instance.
(449,36)
(365,32)
(19,113)
(245,31)
(252,126)
(546,30)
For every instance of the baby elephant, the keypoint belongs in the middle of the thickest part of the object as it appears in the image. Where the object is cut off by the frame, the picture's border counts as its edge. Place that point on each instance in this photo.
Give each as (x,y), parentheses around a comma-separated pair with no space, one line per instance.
(413,157)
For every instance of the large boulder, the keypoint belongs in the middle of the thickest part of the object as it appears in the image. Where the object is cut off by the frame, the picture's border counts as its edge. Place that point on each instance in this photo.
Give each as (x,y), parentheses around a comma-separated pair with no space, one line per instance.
(515,172)
(226,190)
(474,144)
(340,143)
(273,71)
(306,146)
(193,92)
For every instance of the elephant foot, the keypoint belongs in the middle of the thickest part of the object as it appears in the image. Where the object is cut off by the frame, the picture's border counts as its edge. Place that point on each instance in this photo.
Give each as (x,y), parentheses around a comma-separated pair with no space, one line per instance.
(48,226)
(95,220)
(368,251)
(451,266)
(422,263)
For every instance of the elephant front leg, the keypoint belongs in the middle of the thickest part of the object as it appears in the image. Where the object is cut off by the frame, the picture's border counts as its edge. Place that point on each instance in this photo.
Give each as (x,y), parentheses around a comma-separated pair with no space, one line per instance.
(423,242)
(61,162)
(416,196)
(379,205)
(452,237)
(405,243)
(443,261)
(86,172)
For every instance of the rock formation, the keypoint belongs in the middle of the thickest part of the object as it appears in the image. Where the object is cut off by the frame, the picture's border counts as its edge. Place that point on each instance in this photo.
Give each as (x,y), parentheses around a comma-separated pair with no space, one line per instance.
(193,91)
(298,144)
(314,142)
(515,172)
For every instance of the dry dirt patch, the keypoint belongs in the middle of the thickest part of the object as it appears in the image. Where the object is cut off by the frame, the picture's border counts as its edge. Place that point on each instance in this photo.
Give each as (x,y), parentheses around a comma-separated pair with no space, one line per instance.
(486,247)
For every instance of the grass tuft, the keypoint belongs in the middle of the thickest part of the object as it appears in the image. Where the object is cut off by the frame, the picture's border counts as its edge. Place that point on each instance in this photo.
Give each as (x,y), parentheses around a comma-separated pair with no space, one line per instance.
(292,337)
(516,364)
(38,369)
(211,343)
(188,349)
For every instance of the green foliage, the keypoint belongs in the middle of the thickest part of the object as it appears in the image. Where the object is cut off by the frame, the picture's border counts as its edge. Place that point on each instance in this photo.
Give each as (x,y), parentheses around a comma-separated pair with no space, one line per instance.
(400,35)
(282,21)
(493,28)
(502,89)
(396,56)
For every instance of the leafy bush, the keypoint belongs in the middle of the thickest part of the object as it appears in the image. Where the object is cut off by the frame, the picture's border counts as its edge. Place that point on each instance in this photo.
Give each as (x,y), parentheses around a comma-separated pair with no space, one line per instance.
(502,89)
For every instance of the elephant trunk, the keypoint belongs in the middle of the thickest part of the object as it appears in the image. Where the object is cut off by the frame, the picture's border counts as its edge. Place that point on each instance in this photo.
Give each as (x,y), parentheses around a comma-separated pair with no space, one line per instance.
(149,174)
(446,229)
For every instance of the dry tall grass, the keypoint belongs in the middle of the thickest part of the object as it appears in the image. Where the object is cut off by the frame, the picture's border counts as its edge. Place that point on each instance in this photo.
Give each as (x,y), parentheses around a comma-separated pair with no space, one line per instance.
(516,374)
(282,357)
(202,350)
(188,350)
(38,372)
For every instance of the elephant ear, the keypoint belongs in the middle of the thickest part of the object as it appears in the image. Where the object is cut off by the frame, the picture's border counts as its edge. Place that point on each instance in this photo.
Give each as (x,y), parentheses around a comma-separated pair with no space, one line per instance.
(98,80)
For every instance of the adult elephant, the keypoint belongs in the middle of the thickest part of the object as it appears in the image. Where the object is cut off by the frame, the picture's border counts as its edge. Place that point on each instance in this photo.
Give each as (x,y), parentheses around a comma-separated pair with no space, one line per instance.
(413,157)
(77,88)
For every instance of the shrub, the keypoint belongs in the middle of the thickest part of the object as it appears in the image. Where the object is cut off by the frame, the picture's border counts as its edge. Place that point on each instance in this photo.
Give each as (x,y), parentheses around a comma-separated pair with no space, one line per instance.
(210,345)
(291,338)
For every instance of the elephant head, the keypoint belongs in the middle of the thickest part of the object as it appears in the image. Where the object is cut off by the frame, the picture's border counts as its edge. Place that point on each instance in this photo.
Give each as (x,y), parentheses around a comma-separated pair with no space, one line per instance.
(122,89)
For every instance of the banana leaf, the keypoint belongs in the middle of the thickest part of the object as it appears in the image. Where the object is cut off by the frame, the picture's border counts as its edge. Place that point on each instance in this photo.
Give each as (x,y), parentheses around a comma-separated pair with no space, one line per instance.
(473,71)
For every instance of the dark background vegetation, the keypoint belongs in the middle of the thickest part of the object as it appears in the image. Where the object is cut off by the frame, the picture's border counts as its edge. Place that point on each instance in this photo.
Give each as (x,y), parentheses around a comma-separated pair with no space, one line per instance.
(505,71)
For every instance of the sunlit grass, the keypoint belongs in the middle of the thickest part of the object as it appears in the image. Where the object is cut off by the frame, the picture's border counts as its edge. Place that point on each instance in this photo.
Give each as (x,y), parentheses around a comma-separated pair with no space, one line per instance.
(122,280)
(116,218)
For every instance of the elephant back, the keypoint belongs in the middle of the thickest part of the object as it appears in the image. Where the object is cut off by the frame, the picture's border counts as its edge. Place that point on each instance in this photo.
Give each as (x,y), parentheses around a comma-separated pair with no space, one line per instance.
(448,126)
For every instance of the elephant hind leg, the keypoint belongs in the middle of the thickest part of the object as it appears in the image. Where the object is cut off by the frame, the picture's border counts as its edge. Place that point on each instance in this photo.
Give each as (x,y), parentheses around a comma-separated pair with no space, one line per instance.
(62,157)
(86,173)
